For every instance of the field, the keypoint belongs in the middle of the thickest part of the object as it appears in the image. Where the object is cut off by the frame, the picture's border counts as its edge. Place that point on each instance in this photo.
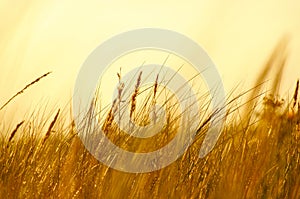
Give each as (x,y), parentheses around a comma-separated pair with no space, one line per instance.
(257,155)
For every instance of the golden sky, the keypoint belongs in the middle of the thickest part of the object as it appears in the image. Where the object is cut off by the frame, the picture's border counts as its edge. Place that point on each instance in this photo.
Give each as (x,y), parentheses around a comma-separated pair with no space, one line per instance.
(51,35)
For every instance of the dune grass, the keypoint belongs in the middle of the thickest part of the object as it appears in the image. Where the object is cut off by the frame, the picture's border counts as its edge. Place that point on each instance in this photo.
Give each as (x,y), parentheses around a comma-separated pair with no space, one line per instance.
(257,155)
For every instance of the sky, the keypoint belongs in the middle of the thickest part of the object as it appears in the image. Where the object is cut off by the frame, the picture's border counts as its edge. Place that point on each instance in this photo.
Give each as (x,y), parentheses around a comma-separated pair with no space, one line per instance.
(58,36)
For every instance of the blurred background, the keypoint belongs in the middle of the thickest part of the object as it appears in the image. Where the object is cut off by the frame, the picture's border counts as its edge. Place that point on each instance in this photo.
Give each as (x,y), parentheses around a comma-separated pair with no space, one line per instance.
(41,36)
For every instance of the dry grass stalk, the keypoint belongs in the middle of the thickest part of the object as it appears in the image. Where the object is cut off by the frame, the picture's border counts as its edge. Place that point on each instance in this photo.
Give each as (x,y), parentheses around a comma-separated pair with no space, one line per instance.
(110,117)
(155,87)
(26,87)
(154,98)
(120,91)
(120,86)
(296,94)
(13,133)
(136,91)
(119,74)
(51,126)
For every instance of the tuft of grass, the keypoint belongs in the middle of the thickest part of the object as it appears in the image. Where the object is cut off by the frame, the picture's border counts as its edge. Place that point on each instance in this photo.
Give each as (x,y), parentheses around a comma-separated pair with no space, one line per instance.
(256,156)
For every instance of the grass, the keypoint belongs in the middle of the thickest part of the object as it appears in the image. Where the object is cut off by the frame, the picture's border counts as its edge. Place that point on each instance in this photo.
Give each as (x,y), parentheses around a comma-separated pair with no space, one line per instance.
(257,155)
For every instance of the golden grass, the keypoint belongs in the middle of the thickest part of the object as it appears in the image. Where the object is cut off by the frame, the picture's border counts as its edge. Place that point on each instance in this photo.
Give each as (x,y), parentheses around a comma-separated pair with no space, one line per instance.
(257,156)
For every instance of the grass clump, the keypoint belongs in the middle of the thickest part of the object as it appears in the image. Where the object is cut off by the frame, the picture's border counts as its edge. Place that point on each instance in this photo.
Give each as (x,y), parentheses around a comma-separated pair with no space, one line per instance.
(257,155)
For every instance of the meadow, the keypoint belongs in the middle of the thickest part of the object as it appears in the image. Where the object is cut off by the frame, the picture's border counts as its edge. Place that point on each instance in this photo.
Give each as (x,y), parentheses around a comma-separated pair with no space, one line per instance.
(257,155)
